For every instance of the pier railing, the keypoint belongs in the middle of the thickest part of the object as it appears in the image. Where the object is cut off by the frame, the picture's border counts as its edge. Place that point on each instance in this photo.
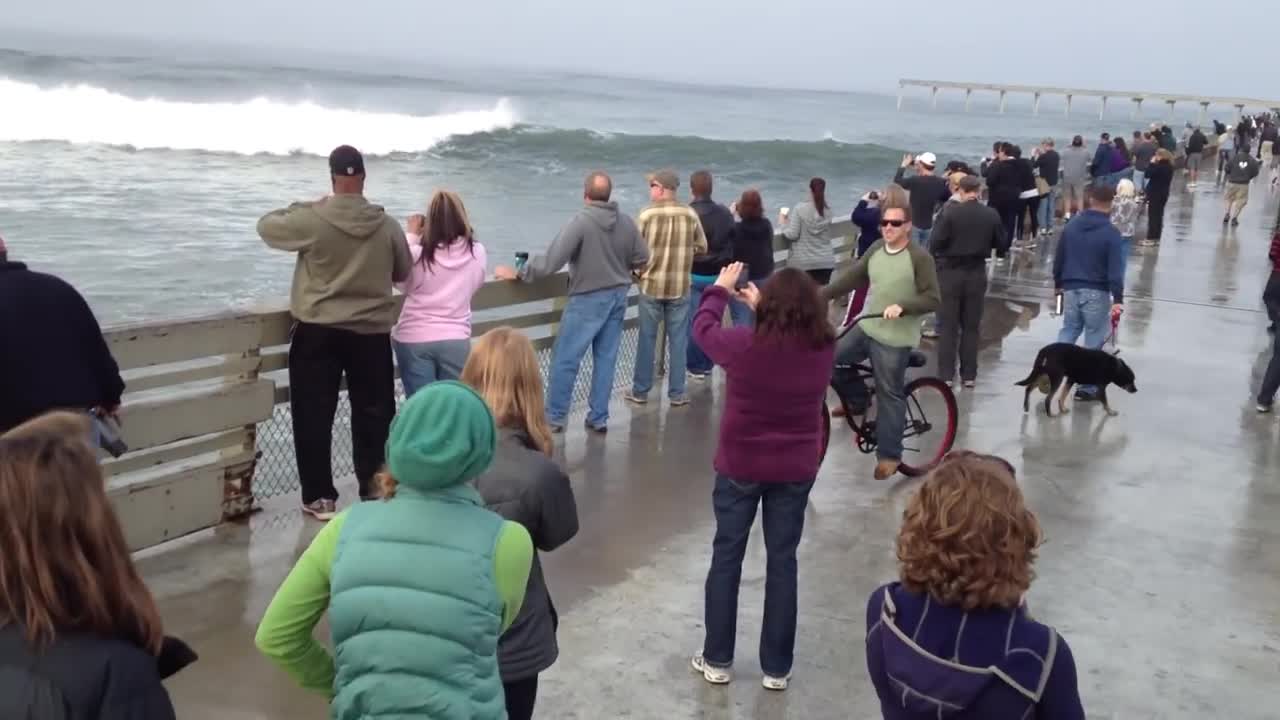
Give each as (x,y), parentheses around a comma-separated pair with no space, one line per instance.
(207,418)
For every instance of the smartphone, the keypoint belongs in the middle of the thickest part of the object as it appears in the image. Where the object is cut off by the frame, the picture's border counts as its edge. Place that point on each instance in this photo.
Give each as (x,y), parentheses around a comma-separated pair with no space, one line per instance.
(1057,304)
(744,279)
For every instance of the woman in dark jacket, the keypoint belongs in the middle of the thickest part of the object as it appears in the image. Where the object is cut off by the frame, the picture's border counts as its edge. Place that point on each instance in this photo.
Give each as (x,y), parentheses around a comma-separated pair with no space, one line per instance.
(866,217)
(80,635)
(526,486)
(1159,180)
(1028,194)
(752,240)
(767,454)
(1004,186)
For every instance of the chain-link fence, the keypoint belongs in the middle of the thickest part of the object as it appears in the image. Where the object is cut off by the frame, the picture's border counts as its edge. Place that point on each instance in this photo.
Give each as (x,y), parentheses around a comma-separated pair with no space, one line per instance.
(277,471)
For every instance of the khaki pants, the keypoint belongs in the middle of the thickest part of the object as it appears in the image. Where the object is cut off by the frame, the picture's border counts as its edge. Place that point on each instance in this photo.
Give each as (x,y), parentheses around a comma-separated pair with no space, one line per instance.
(1237,198)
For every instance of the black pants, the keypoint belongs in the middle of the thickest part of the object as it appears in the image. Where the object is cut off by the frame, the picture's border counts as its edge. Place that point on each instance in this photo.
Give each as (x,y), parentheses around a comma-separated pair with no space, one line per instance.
(1155,215)
(1033,207)
(521,695)
(963,291)
(822,277)
(1271,297)
(1009,218)
(318,358)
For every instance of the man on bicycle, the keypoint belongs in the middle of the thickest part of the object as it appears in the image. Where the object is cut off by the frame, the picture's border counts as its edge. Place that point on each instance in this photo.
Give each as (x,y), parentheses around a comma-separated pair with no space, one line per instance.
(905,287)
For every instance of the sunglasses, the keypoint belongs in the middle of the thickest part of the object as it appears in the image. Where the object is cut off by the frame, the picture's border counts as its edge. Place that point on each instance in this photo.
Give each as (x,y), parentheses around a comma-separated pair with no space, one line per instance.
(892,223)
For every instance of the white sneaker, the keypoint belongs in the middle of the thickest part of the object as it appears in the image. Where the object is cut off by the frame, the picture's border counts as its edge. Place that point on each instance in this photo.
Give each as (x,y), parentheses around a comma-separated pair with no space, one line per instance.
(775,683)
(713,674)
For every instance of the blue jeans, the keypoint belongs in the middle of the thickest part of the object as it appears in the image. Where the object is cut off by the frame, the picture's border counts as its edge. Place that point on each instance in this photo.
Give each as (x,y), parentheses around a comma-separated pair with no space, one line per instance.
(1048,206)
(424,363)
(590,320)
(889,369)
(921,235)
(1140,180)
(735,506)
(1086,311)
(674,314)
(698,360)
(742,314)
(1271,377)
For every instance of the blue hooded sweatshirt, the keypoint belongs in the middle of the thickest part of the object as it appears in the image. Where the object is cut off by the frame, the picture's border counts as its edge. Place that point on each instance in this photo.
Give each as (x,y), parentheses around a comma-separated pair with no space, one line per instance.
(1090,256)
(867,217)
(930,661)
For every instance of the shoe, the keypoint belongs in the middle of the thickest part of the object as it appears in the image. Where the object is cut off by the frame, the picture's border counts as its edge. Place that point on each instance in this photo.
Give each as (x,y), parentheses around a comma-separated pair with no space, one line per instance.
(929,333)
(699,375)
(886,468)
(680,401)
(1235,222)
(1263,408)
(1085,396)
(970,384)
(322,509)
(1271,328)
(710,673)
(557,428)
(951,384)
(773,682)
(1147,243)
(631,397)
(1226,219)
(597,429)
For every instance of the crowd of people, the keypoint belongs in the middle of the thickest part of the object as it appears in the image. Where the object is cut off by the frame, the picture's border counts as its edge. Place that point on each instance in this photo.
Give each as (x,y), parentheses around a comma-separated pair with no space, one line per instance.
(461,478)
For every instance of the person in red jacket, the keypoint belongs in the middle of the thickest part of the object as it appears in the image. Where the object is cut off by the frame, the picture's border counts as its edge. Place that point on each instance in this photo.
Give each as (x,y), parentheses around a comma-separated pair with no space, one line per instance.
(1271,297)
(768,453)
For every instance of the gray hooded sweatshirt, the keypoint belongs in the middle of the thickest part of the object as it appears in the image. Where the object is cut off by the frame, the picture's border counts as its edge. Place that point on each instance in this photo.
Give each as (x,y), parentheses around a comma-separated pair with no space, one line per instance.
(809,235)
(601,247)
(349,252)
(1075,165)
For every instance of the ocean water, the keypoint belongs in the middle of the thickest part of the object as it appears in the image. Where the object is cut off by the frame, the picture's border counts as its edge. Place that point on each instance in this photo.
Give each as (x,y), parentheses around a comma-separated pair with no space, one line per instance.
(140,179)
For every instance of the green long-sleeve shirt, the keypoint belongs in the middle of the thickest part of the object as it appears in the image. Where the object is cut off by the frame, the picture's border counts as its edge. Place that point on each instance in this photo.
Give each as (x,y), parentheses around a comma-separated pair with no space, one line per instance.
(286,635)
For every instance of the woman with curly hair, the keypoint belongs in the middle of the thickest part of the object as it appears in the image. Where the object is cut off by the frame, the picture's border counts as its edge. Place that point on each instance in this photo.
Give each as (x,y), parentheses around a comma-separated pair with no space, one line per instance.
(953,637)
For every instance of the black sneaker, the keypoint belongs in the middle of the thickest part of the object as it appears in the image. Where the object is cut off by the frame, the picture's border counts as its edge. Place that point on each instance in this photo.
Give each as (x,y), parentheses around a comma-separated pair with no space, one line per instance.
(597,429)
(1226,219)
(1085,396)
(1235,222)
(1264,408)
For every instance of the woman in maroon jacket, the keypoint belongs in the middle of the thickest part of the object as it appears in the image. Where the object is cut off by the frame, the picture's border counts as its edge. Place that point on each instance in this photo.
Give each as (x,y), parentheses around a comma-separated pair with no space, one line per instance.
(768,454)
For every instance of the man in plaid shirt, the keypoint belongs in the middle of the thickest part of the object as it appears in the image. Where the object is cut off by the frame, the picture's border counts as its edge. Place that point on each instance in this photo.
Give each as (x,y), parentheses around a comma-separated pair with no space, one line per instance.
(675,236)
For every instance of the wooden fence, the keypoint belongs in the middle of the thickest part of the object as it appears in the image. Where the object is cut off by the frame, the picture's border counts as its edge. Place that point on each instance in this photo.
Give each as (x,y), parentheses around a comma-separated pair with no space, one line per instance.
(196,396)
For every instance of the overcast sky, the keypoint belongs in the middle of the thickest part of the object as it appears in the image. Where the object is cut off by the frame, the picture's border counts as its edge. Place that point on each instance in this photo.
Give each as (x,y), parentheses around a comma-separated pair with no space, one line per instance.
(1164,45)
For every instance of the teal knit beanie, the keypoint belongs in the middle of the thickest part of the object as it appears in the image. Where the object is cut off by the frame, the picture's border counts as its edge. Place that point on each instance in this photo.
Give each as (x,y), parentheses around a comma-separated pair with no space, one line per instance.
(443,436)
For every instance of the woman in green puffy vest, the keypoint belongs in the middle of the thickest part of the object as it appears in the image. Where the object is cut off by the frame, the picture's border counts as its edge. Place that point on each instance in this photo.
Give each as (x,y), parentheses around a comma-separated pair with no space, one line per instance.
(418,585)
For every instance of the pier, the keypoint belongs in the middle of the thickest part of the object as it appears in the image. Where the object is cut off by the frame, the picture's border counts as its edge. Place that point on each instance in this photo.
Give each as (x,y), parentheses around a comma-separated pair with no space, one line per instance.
(1136,98)
(1161,567)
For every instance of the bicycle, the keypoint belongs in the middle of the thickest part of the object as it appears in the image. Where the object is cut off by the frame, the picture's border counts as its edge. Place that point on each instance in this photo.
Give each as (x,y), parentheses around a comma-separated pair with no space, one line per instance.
(926,396)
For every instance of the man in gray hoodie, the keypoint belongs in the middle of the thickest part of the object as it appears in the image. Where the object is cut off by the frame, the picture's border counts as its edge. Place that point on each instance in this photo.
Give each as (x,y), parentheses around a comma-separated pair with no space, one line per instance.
(349,254)
(603,249)
(1075,175)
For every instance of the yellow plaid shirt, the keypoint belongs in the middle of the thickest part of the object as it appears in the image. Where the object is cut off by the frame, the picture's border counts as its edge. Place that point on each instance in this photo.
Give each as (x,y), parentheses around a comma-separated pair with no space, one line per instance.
(674,234)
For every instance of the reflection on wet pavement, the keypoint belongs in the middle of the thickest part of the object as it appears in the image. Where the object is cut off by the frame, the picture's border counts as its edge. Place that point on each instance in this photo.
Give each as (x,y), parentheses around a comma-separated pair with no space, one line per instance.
(1161,568)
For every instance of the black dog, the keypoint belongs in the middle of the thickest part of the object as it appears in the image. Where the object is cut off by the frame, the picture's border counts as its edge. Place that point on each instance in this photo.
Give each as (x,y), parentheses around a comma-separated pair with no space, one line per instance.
(1077,365)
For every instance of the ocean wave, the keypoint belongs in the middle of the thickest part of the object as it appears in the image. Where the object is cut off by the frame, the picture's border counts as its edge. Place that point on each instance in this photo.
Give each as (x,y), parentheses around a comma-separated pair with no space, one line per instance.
(583,147)
(90,114)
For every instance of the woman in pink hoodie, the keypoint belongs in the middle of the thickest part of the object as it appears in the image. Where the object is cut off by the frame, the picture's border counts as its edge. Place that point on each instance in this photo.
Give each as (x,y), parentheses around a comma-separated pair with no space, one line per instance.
(433,337)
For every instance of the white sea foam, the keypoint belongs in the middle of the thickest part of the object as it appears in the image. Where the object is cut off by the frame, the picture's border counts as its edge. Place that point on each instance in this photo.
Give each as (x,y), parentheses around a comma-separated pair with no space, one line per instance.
(88,114)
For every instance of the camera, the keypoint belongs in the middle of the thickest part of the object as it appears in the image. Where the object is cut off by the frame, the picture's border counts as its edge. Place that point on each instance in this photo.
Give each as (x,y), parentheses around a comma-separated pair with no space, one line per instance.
(109,437)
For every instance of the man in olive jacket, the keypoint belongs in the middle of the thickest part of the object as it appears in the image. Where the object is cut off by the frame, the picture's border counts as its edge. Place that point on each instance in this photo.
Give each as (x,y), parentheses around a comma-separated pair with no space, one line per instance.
(905,287)
(349,251)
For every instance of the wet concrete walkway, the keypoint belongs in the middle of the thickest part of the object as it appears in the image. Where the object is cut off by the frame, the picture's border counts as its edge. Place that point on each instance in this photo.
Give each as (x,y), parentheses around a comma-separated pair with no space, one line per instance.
(1161,567)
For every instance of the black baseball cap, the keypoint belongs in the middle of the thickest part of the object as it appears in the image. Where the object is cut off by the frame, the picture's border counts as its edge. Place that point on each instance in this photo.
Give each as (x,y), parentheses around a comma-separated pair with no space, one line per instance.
(346,161)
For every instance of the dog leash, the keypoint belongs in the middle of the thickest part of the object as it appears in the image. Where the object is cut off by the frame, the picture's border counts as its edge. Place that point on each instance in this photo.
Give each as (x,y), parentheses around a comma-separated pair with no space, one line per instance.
(1113,338)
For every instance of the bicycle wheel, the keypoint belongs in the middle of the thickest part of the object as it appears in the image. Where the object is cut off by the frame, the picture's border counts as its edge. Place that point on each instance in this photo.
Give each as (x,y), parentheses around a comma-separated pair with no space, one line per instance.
(930,429)
(826,432)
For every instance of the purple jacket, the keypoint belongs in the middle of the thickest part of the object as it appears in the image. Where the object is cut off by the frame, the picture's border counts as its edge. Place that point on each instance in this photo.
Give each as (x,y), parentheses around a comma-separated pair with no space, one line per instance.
(771,427)
(929,660)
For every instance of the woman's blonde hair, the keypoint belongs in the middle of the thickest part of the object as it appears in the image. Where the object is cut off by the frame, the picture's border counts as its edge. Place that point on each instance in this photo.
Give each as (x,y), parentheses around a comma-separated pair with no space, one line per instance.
(503,368)
(1126,188)
(1164,155)
(967,537)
